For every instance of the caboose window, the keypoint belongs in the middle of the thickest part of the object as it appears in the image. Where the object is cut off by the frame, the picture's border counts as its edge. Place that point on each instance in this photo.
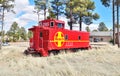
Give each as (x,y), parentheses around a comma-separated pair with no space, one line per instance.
(41,35)
(40,23)
(66,37)
(59,25)
(79,37)
(51,24)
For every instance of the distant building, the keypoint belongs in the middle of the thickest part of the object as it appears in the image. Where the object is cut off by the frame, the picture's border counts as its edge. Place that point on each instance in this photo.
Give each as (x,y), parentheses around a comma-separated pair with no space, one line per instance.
(101,36)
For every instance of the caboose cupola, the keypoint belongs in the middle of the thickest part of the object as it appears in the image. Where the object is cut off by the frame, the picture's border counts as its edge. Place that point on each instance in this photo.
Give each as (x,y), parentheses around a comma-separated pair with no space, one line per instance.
(52,23)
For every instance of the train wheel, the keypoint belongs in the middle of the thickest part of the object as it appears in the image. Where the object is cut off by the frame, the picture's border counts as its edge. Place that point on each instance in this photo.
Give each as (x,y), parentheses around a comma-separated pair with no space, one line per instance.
(36,54)
(54,52)
(26,52)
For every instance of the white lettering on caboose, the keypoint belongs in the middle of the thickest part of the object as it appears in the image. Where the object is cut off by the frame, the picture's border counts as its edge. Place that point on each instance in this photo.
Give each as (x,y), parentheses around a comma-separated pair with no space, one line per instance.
(69,44)
(46,24)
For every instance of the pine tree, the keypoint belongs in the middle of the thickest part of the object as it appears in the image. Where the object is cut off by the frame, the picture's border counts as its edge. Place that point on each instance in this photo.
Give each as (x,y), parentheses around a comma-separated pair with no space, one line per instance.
(84,12)
(30,34)
(23,33)
(51,14)
(57,7)
(5,6)
(69,11)
(87,29)
(102,27)
(106,3)
(40,5)
(14,32)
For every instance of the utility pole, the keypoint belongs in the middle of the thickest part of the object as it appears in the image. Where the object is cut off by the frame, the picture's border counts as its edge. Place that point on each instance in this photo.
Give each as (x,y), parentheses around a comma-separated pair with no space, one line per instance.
(113,9)
(118,24)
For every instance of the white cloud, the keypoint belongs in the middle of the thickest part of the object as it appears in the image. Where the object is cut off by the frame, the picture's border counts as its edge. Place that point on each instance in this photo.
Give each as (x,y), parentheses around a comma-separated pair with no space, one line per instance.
(93,26)
(22,19)
(20,5)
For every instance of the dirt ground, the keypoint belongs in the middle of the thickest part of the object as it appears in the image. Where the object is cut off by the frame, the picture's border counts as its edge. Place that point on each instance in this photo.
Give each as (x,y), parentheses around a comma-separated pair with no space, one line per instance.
(95,62)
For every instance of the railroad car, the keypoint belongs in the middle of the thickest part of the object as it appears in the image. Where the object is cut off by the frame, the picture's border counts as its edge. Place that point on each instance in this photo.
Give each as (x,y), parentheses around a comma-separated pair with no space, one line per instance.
(51,36)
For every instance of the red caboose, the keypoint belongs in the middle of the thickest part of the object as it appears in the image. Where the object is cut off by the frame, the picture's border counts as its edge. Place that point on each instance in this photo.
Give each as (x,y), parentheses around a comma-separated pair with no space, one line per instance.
(50,36)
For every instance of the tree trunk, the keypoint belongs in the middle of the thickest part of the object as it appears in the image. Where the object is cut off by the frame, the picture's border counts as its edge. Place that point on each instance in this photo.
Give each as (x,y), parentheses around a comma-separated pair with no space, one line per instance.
(70,25)
(71,21)
(38,17)
(113,9)
(45,13)
(80,24)
(2,33)
(57,12)
(118,24)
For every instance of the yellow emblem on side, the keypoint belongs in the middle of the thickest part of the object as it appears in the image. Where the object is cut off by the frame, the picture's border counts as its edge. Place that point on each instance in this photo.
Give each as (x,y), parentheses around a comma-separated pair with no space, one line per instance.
(59,39)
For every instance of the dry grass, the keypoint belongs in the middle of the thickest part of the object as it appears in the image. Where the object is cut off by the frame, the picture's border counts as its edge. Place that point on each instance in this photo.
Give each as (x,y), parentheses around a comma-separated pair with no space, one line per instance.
(95,62)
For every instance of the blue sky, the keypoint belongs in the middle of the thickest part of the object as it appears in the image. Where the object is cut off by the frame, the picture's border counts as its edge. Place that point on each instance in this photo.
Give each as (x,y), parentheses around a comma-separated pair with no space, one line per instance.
(31,2)
(104,12)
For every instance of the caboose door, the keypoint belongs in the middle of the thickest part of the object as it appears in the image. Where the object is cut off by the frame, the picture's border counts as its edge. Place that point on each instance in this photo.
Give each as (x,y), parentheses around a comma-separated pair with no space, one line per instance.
(41,40)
